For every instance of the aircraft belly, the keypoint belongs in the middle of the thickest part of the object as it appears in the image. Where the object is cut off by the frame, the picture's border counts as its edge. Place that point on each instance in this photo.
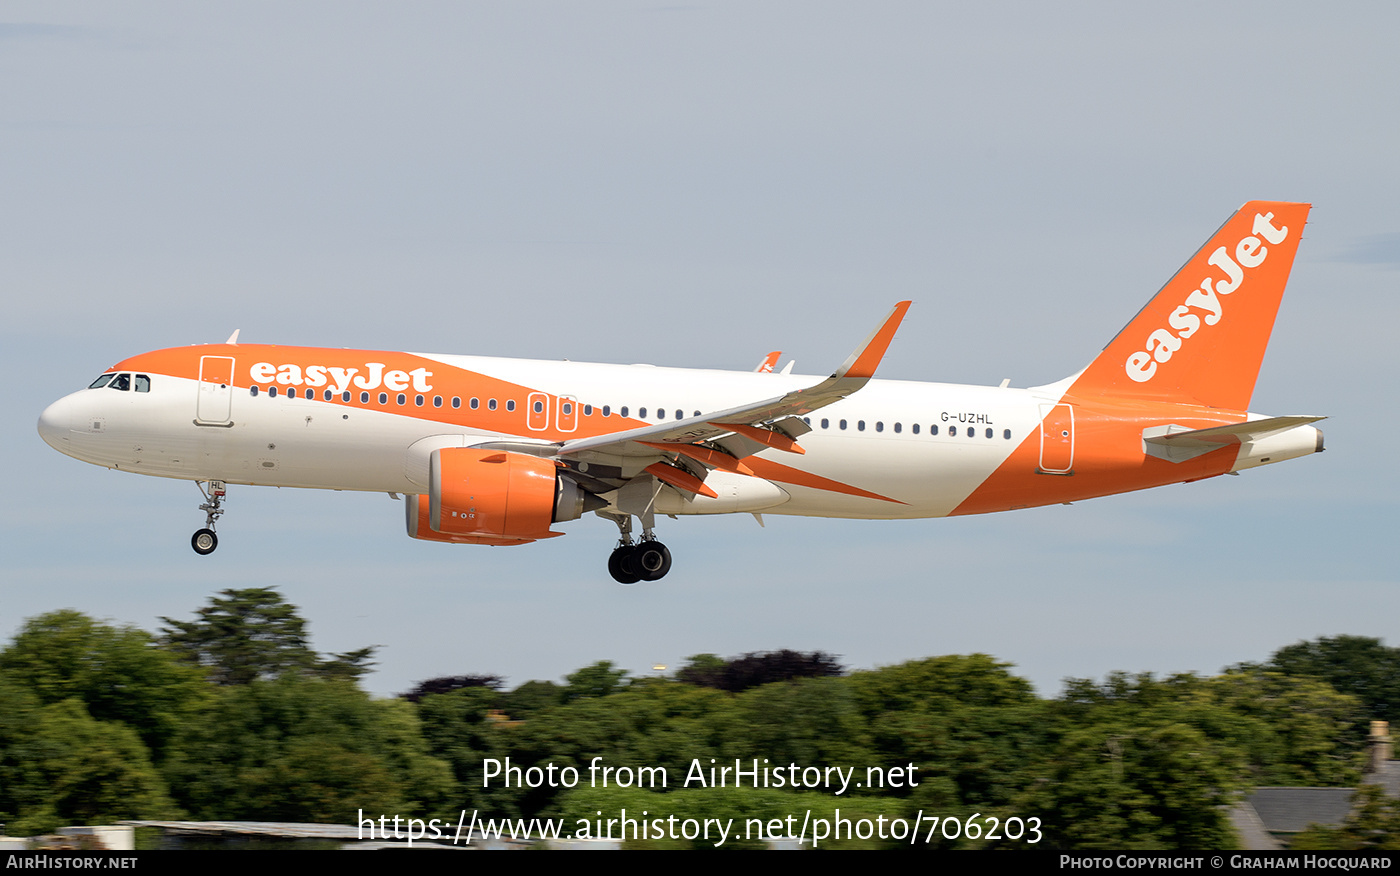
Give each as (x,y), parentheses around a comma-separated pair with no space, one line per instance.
(734,493)
(909,478)
(301,444)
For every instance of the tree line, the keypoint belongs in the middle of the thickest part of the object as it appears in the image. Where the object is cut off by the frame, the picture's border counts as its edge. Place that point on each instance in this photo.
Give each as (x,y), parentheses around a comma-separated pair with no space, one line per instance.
(233,716)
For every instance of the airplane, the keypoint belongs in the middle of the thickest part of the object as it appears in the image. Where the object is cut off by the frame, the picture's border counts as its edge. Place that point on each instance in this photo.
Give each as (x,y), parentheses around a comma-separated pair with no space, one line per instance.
(497,451)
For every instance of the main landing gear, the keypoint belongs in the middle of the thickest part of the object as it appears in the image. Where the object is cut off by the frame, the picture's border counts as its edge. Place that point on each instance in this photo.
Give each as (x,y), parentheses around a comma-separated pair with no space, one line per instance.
(204,541)
(646,560)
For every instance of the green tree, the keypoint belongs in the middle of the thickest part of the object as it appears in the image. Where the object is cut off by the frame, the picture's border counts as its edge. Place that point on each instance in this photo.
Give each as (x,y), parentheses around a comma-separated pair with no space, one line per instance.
(117,673)
(1294,731)
(531,698)
(458,730)
(304,749)
(1356,665)
(1121,786)
(254,633)
(941,683)
(705,670)
(1290,730)
(757,668)
(447,684)
(60,766)
(597,680)
(807,721)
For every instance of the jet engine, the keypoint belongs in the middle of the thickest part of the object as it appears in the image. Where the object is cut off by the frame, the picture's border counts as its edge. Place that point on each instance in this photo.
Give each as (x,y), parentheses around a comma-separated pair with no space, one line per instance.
(493,497)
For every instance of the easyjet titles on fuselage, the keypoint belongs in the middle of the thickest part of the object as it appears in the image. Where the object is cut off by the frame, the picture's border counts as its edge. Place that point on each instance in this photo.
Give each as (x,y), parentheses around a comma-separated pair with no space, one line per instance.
(341,378)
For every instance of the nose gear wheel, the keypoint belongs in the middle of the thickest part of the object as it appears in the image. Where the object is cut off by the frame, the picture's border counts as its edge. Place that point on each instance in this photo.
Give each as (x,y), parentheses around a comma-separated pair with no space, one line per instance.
(204,541)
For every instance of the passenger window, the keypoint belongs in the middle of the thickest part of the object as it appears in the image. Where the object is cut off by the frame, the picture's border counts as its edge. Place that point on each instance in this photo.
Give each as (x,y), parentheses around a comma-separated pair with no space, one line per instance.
(491,405)
(510,404)
(989,433)
(456,401)
(272,392)
(642,413)
(1006,434)
(825,422)
(933,430)
(384,398)
(879,426)
(437,401)
(914,428)
(623,412)
(607,410)
(253,391)
(402,398)
(418,400)
(898,428)
(474,404)
(329,394)
(364,398)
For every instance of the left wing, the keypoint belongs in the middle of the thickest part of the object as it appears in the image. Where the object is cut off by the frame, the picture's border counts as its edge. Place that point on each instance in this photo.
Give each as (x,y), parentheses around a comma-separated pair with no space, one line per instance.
(721,439)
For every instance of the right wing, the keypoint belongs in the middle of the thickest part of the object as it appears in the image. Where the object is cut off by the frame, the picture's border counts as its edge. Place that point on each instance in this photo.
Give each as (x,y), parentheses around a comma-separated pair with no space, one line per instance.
(720,439)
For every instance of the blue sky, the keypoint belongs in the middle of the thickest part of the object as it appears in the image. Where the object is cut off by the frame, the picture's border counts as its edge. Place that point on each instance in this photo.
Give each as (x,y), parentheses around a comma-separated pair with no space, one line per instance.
(696,185)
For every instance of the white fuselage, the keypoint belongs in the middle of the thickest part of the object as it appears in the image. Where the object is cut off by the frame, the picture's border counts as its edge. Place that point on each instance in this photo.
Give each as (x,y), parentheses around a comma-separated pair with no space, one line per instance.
(925,446)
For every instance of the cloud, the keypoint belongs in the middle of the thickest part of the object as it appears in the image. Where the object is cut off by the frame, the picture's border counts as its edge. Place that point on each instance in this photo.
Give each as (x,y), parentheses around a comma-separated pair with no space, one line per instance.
(1377,249)
(28,30)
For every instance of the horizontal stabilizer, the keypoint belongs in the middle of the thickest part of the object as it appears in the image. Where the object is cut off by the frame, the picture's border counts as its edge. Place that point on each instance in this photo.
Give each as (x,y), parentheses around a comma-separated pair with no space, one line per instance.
(1177,443)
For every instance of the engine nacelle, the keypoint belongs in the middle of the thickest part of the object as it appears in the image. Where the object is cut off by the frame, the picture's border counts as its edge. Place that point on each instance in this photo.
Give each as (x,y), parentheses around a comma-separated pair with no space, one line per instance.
(492,497)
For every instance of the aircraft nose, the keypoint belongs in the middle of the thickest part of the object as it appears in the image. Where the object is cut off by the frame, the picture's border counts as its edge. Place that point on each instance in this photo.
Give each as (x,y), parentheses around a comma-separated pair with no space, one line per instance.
(56,422)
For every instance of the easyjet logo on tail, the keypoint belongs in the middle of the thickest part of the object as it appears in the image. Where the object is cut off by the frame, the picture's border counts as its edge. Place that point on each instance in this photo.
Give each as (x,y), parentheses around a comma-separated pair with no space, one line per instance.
(1205,303)
(341,378)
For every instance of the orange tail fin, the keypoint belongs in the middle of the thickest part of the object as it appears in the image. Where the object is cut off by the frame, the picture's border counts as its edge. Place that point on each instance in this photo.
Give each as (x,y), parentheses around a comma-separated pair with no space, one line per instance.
(1202,337)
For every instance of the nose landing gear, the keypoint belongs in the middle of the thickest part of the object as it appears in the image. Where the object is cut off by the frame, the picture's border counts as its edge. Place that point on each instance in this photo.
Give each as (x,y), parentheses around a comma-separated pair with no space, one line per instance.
(204,541)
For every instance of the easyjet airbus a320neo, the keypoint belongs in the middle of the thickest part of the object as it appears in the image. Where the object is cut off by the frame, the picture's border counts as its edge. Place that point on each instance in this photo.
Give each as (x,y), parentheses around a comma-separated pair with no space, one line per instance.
(498,451)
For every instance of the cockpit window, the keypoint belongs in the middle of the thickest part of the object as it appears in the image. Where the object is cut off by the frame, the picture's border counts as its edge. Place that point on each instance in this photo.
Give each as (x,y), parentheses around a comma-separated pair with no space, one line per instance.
(121,382)
(101,381)
(143,383)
